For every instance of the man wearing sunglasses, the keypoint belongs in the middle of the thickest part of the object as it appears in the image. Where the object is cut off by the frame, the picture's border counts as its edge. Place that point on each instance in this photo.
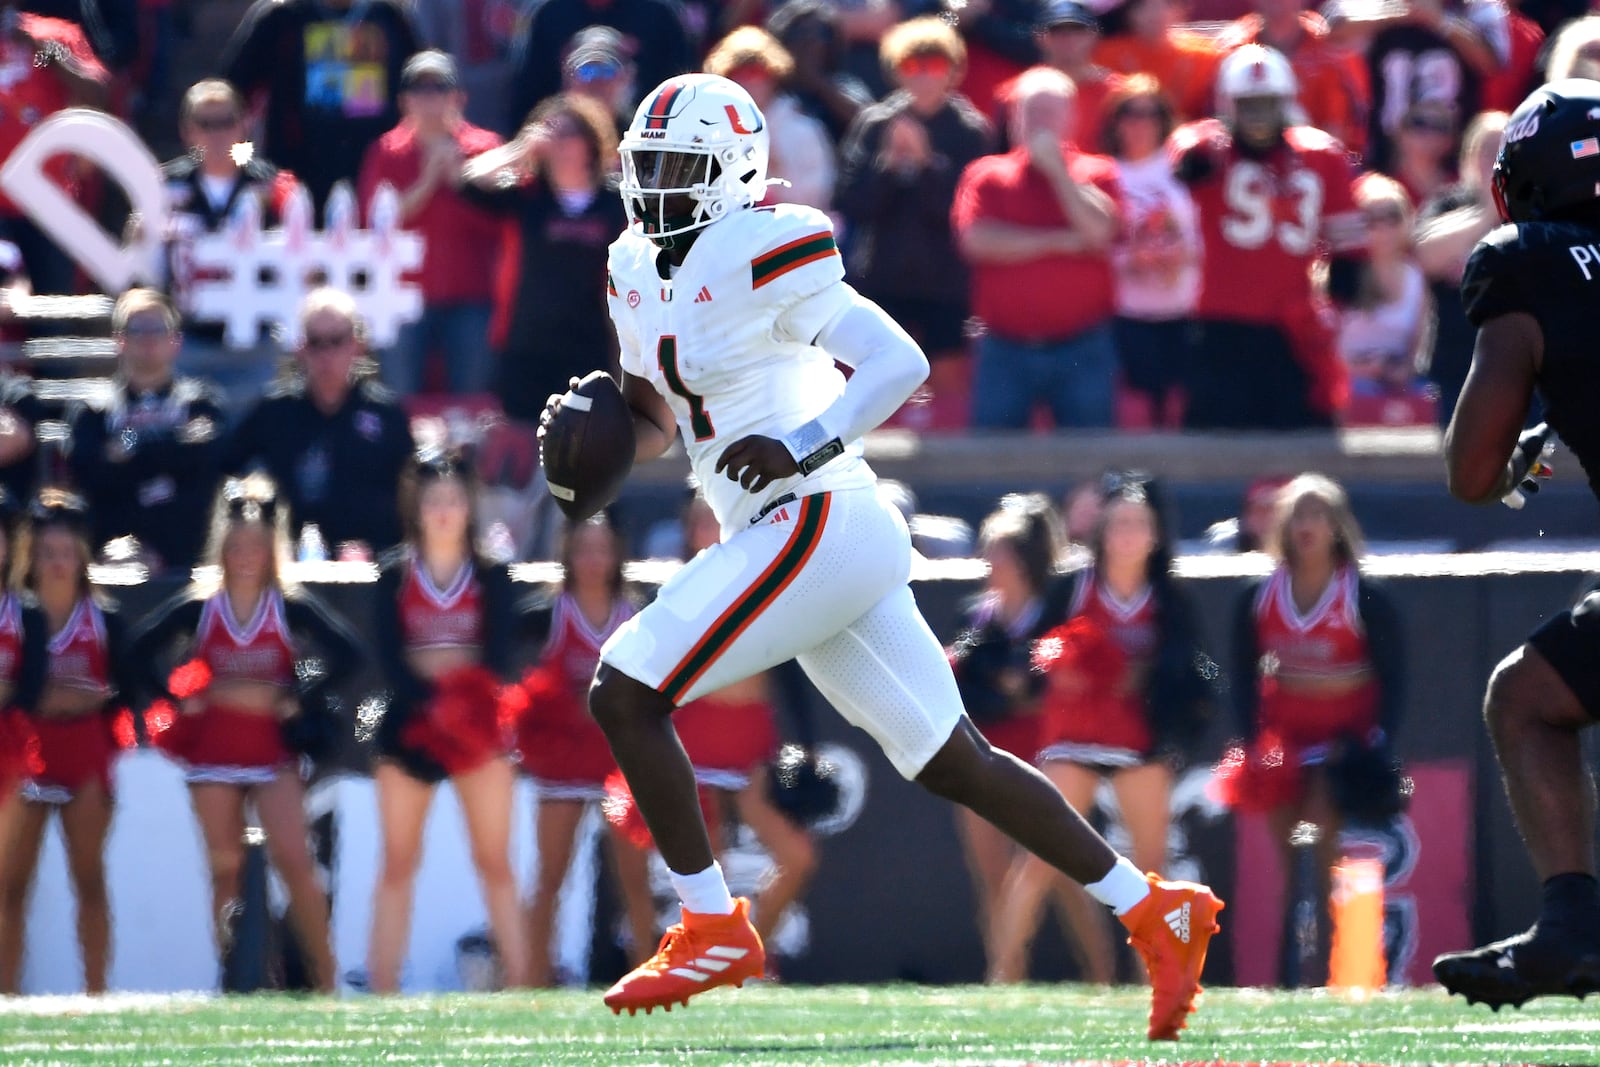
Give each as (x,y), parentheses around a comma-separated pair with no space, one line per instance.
(148,458)
(205,186)
(598,66)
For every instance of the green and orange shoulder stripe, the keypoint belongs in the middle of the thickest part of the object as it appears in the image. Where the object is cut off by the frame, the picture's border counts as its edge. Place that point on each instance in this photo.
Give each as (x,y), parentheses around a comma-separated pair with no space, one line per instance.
(769,266)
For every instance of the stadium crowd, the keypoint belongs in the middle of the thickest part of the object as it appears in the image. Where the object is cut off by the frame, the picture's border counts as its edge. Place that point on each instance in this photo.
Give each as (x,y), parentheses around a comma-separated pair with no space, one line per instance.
(1040,191)
(1331,264)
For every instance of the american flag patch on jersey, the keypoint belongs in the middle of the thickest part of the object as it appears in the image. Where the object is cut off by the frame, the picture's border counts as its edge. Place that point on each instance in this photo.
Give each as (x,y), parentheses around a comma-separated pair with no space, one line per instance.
(1585,148)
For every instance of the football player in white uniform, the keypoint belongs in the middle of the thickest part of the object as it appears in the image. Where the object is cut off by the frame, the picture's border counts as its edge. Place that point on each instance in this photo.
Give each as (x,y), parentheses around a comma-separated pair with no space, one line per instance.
(730,318)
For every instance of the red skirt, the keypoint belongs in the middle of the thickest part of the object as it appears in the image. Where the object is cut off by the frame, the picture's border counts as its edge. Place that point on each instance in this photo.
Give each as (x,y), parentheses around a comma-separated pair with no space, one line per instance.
(223,736)
(1103,722)
(558,741)
(726,739)
(19,751)
(75,752)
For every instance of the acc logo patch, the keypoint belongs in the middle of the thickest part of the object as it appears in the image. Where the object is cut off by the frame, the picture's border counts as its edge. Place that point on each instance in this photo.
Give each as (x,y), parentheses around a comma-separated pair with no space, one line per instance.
(633,298)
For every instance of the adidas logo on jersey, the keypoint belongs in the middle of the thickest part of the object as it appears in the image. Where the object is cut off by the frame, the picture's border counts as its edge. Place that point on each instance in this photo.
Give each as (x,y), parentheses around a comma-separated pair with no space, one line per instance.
(1178,920)
(703,296)
(714,961)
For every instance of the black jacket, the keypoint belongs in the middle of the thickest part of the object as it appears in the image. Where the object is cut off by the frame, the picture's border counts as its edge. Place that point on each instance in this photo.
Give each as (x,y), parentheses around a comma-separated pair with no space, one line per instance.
(340,471)
(149,466)
(901,244)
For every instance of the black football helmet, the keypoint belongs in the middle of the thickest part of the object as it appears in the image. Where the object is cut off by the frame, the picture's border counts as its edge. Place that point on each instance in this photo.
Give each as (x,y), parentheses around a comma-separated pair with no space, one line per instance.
(1549,159)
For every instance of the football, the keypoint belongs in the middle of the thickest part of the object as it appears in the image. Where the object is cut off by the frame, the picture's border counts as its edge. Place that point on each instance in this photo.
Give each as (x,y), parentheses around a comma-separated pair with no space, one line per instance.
(587,449)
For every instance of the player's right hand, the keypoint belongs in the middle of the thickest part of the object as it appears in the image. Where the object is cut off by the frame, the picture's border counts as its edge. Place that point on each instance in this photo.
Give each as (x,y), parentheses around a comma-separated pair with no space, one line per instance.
(552,405)
(1527,465)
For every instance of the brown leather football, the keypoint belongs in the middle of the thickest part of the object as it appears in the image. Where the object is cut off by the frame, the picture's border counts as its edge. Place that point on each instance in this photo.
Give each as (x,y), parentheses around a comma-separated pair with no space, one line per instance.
(587,449)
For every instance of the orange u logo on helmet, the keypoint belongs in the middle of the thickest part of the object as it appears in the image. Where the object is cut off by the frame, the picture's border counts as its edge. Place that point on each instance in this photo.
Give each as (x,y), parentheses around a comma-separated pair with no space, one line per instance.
(738,123)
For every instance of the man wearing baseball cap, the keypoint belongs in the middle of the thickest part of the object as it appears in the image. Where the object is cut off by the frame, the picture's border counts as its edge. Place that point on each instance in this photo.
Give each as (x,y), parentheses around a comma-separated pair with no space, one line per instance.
(421,158)
(1067,32)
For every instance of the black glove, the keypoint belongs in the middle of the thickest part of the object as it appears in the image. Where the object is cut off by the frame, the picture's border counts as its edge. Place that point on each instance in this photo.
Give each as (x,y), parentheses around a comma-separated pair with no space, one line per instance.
(1528,467)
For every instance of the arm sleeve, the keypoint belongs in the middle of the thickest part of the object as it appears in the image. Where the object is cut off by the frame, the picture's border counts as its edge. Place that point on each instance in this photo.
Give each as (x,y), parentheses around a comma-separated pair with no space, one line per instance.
(87,460)
(1490,286)
(151,642)
(499,621)
(406,686)
(123,677)
(1386,649)
(888,365)
(337,645)
(535,619)
(245,59)
(35,666)
(193,449)
(501,199)
(1245,686)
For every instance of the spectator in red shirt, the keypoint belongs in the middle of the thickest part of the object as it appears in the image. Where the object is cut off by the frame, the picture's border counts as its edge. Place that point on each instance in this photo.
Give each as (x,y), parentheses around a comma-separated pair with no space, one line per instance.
(1035,225)
(1067,34)
(421,158)
(45,65)
(1274,198)
(1519,77)
(1334,90)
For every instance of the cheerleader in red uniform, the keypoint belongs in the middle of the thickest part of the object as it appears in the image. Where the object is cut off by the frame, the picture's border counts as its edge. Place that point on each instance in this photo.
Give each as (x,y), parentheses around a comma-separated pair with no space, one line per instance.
(23,663)
(1021,541)
(444,626)
(731,736)
(77,742)
(1122,689)
(561,747)
(1319,670)
(238,715)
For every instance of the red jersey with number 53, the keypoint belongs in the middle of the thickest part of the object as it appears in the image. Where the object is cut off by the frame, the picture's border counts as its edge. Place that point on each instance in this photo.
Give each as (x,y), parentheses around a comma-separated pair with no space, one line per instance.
(1266,221)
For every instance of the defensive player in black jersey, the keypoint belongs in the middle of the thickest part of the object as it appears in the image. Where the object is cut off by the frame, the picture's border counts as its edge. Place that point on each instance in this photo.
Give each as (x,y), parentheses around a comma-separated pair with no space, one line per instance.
(1532,290)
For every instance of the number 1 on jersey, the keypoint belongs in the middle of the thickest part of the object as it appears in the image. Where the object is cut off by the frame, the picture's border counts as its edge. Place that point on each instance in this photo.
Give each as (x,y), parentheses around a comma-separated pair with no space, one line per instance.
(667,359)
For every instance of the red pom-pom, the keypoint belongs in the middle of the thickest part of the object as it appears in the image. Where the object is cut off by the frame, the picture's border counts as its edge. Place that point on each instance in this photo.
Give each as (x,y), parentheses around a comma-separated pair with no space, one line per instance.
(123,732)
(189,679)
(623,814)
(1256,781)
(171,731)
(552,710)
(460,727)
(1084,648)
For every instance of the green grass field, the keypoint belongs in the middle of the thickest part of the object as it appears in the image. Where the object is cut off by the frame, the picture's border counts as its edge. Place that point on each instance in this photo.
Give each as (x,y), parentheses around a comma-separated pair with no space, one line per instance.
(756,1027)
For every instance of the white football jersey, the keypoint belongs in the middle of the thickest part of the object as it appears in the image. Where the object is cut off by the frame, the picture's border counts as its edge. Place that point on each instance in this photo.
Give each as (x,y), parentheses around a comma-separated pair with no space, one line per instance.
(716,340)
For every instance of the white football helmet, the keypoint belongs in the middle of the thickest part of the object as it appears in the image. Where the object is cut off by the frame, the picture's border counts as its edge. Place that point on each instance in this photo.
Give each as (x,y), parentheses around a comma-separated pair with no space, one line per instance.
(698,138)
(1254,70)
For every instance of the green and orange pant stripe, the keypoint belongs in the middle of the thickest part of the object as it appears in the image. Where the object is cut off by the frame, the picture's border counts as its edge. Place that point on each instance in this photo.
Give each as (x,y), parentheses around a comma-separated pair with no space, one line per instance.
(756,598)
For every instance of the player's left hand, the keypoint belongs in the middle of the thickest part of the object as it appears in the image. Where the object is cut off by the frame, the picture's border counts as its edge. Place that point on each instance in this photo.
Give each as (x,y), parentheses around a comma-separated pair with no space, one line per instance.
(755,462)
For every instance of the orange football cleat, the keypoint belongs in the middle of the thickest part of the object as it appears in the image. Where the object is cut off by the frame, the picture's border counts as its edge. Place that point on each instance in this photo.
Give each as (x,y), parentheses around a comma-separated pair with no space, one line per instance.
(700,953)
(1171,928)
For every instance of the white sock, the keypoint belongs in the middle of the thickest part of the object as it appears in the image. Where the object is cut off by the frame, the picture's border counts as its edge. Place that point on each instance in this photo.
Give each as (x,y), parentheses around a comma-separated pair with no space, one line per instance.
(704,893)
(1121,889)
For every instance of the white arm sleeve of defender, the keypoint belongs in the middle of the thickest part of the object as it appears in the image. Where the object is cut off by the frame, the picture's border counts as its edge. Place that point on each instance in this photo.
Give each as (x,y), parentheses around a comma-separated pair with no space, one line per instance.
(888,366)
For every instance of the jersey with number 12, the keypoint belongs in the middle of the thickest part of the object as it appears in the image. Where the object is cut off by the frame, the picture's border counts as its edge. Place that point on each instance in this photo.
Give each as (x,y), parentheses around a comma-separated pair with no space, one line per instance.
(727,341)
(1265,221)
